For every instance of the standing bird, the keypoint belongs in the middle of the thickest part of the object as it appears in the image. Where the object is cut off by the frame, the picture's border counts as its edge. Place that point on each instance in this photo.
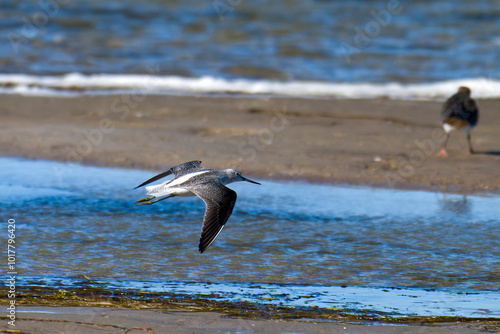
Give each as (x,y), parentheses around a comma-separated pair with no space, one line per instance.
(192,179)
(458,112)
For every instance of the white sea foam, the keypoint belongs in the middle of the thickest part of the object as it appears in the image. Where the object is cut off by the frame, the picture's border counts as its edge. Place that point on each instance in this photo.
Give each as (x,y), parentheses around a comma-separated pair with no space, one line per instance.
(97,84)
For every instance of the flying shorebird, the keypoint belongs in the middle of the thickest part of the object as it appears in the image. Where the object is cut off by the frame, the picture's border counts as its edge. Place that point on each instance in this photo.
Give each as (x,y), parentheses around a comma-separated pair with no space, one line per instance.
(192,179)
(459,111)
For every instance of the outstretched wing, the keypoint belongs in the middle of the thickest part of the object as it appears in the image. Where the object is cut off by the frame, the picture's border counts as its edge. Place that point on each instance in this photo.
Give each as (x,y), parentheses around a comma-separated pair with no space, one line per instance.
(178,170)
(186,168)
(219,201)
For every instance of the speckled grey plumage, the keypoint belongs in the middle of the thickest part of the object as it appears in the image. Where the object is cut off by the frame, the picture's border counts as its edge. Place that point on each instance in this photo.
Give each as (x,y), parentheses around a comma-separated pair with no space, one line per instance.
(192,179)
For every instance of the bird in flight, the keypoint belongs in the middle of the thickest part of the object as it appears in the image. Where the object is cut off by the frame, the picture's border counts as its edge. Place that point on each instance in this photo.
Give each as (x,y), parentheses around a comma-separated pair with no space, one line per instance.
(458,112)
(192,179)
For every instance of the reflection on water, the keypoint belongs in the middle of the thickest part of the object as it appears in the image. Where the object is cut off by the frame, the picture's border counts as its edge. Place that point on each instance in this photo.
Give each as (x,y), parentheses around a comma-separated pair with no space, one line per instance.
(457,205)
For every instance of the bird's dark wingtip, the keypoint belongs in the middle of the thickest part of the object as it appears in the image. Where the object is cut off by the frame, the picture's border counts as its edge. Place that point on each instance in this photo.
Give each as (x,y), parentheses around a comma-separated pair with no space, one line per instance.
(155,178)
(140,185)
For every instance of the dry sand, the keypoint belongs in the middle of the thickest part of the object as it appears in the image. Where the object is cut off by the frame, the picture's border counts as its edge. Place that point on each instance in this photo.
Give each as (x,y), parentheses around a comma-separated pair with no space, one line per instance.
(377,142)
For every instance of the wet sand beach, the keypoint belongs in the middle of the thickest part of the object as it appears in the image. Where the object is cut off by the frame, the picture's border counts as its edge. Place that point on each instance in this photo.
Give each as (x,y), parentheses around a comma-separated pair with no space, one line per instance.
(90,320)
(376,142)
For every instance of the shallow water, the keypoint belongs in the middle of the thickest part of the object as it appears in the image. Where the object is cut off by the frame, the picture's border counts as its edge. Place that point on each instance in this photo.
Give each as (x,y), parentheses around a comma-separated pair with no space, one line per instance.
(74,220)
(351,300)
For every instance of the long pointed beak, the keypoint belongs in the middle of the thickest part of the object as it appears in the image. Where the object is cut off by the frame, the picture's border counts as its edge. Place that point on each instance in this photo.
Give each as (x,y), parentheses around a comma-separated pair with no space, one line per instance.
(248,180)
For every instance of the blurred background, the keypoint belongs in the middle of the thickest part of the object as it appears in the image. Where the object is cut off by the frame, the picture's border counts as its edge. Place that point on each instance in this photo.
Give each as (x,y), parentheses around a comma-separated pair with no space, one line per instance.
(378,41)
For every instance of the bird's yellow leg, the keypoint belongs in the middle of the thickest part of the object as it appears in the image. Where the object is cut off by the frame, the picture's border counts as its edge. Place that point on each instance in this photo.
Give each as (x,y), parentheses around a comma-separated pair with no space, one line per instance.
(148,200)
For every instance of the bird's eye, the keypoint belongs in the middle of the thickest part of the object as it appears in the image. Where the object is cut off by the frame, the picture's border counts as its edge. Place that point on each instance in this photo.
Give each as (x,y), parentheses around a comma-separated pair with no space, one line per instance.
(238,173)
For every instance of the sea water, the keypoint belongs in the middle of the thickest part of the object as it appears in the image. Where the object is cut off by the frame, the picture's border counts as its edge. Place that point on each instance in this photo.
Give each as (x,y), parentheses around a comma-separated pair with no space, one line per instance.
(346,49)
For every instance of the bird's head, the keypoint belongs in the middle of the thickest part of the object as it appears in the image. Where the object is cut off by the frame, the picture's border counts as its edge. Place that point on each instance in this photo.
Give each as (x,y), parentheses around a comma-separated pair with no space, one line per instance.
(464,90)
(234,175)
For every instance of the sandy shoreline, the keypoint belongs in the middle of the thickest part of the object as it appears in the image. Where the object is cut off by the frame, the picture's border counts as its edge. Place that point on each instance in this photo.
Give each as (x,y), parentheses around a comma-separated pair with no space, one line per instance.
(379,142)
(92,309)
(90,320)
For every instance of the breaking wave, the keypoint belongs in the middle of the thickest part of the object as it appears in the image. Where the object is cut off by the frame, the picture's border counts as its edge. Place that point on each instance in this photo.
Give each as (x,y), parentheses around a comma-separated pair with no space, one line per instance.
(103,84)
